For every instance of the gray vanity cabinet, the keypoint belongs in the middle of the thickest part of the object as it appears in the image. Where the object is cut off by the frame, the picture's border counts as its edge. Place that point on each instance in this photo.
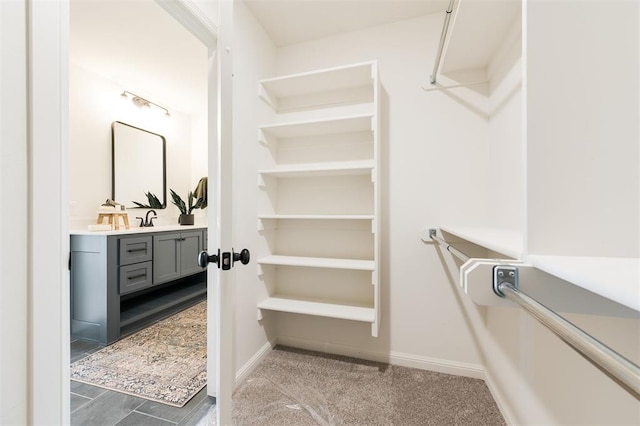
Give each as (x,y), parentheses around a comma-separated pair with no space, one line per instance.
(121,283)
(176,255)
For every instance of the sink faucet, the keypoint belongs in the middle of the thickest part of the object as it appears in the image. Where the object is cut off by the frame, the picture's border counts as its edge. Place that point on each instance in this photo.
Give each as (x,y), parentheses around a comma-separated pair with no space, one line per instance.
(147,222)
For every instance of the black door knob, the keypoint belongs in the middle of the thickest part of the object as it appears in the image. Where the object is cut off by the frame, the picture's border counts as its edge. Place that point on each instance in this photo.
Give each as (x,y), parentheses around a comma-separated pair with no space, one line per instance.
(204,258)
(243,256)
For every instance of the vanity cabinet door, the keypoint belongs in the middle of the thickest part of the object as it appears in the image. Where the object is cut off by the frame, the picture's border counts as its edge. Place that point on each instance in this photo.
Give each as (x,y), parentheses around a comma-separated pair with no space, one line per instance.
(191,245)
(166,257)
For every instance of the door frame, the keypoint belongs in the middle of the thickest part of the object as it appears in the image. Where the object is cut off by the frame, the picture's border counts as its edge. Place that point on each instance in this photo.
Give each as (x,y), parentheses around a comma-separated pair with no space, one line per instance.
(45,307)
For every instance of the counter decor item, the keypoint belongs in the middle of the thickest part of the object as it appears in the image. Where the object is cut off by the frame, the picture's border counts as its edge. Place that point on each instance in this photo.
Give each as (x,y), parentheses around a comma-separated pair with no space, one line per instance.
(112,212)
(186,217)
(153,202)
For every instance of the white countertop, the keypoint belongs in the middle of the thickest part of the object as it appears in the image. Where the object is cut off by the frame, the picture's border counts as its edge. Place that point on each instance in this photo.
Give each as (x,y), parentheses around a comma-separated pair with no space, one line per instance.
(138,230)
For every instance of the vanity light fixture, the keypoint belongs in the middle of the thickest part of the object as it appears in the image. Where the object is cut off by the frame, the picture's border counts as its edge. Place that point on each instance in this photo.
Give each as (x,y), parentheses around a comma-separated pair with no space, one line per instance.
(141,102)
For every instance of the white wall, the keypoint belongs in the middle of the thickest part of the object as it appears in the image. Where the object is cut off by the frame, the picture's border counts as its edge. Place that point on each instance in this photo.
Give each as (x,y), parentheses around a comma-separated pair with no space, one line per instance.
(94,103)
(583,151)
(254,59)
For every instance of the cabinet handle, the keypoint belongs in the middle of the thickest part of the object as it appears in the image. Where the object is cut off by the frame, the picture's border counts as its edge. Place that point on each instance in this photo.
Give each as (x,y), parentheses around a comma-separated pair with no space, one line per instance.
(135,250)
(137,276)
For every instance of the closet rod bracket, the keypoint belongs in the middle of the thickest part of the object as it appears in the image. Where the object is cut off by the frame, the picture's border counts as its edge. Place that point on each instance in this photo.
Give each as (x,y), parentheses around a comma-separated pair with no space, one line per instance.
(504,274)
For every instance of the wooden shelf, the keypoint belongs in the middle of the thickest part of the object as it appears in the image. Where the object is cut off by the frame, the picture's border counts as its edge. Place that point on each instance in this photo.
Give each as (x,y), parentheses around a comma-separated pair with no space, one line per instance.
(318,308)
(319,262)
(342,168)
(614,278)
(317,216)
(504,241)
(326,126)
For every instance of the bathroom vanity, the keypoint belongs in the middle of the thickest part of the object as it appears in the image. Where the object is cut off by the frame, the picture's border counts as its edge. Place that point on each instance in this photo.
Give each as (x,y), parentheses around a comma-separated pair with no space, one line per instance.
(121,281)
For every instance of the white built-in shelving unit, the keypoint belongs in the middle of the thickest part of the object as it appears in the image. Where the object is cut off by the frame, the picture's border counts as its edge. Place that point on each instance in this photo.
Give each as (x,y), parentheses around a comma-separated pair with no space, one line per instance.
(320,199)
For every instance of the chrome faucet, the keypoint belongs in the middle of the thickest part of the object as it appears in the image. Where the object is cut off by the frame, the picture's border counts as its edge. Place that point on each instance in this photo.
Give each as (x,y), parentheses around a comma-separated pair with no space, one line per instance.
(147,222)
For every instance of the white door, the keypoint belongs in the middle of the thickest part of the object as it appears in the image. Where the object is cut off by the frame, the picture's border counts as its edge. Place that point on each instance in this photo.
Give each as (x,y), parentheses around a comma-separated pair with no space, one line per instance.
(220,286)
(220,317)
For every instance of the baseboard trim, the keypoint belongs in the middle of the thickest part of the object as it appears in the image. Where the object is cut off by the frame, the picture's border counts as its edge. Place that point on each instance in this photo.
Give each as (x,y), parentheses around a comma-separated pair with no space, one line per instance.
(253,362)
(395,358)
(500,400)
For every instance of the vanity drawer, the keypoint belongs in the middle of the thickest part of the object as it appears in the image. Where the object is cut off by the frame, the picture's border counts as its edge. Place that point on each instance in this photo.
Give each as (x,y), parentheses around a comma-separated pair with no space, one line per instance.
(135,249)
(135,277)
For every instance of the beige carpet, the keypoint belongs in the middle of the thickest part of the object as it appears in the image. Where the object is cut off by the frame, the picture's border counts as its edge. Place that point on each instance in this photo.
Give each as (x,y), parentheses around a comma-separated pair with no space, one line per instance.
(295,387)
(165,362)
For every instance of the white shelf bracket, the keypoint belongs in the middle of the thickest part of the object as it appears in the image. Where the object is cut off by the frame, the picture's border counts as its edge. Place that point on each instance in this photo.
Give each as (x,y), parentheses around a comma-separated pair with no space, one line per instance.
(260,270)
(262,139)
(266,97)
(373,226)
(261,183)
(260,225)
(374,278)
(259,314)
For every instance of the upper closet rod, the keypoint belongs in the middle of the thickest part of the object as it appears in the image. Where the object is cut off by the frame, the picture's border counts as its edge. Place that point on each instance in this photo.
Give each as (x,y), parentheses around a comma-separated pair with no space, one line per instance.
(443,36)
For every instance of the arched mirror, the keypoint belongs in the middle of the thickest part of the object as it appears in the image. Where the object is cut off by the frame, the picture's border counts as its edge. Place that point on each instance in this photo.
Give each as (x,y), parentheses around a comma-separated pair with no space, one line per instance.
(139,176)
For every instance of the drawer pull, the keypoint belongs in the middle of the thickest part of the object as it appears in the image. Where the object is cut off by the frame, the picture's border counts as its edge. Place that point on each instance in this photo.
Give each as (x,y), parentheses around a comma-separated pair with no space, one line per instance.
(137,276)
(135,250)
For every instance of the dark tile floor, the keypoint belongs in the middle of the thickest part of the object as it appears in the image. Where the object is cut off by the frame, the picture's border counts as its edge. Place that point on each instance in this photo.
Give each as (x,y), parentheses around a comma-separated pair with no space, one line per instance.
(94,406)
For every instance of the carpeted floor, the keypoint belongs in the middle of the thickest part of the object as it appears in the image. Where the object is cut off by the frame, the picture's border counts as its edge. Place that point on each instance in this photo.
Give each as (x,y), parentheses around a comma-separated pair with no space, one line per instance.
(296,387)
(165,362)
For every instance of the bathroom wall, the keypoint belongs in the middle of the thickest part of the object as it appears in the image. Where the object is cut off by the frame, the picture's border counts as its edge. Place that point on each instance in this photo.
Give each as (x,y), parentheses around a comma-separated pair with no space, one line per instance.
(94,103)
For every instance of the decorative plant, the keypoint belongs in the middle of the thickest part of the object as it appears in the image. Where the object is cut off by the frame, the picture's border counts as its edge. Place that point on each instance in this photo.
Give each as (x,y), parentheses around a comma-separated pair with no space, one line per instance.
(154,202)
(180,204)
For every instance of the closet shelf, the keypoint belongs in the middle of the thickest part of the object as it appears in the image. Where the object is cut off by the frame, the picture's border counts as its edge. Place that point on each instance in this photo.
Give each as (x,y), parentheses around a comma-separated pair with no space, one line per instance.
(504,241)
(318,308)
(318,216)
(325,126)
(615,278)
(479,28)
(345,79)
(341,168)
(318,262)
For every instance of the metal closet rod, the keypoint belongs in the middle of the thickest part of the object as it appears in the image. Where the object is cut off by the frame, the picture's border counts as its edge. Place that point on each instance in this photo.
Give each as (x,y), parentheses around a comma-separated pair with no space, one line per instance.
(618,368)
(451,249)
(443,36)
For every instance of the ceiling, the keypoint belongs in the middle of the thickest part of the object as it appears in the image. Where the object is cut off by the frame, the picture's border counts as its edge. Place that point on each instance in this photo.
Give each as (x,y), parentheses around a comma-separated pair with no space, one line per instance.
(139,45)
(294,21)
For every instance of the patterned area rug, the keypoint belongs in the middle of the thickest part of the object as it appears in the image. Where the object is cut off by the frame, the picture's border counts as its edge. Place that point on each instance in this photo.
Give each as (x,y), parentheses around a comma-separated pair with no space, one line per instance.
(165,362)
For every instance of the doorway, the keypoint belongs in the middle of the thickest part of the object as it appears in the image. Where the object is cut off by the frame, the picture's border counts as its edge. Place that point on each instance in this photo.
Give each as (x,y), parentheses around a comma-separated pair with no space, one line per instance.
(135,47)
